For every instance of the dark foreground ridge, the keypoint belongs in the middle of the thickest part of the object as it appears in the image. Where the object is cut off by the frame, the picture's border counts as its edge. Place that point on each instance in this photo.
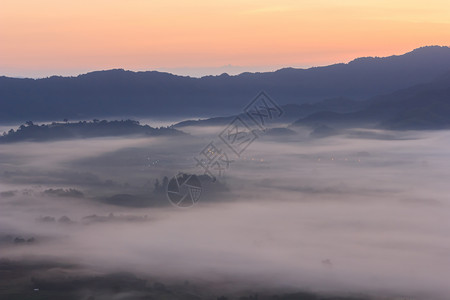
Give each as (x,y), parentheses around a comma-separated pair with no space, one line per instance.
(48,280)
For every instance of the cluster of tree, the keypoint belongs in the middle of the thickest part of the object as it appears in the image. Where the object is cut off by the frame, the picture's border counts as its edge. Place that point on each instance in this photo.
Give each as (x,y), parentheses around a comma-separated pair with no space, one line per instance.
(18,240)
(161,188)
(94,219)
(82,129)
(61,220)
(113,218)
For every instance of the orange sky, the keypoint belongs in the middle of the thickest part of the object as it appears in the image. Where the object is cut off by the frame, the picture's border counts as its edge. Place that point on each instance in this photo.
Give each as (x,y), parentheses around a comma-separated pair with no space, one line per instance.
(40,38)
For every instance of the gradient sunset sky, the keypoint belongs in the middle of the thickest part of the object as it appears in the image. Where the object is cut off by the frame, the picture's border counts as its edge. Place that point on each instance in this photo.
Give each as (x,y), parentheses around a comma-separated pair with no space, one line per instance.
(46,37)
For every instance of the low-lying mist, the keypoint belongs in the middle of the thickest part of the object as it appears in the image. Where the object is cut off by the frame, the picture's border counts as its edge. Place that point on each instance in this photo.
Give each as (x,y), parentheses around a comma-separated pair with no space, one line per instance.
(360,213)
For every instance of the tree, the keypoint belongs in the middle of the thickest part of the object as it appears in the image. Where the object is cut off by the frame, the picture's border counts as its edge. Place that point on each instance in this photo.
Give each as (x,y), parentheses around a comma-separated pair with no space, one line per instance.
(157,188)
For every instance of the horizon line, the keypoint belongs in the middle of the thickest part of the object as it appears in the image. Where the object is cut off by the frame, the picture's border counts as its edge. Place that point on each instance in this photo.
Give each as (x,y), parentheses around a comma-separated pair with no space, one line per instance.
(245,69)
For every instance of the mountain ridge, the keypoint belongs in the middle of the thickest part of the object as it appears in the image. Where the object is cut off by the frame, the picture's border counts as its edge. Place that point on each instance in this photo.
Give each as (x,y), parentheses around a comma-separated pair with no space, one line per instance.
(420,107)
(129,94)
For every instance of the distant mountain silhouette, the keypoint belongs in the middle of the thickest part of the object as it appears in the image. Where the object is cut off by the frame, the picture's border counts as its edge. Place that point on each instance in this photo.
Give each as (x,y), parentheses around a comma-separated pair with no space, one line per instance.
(63,131)
(119,93)
(421,107)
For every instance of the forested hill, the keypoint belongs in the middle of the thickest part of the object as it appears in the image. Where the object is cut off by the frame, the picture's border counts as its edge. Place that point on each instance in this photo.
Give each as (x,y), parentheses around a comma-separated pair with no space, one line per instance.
(83,129)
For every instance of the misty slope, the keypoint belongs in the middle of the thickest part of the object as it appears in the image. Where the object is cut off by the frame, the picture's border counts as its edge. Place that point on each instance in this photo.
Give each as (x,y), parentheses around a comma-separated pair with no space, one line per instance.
(421,107)
(291,112)
(124,93)
(65,131)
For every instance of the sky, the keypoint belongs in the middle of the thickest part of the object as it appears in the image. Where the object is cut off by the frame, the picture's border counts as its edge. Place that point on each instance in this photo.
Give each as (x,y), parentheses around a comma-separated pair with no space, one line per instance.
(198,37)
